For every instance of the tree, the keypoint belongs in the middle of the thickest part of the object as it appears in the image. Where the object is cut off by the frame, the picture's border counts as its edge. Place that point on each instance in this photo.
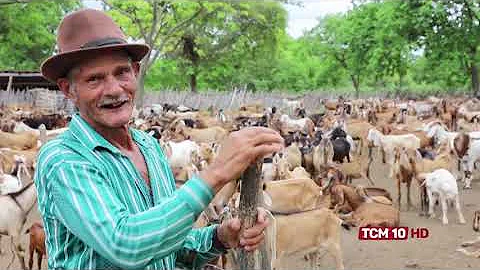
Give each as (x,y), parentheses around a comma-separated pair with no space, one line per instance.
(27,32)
(198,32)
(443,27)
(349,39)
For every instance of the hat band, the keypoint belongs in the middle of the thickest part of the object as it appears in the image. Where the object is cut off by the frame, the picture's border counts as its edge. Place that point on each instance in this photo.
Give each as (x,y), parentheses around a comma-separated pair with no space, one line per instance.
(103,42)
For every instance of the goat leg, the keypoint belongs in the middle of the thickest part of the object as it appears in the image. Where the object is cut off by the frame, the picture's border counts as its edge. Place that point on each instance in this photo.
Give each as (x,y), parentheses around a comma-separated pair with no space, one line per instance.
(31,251)
(468,180)
(461,219)
(443,200)
(431,214)
(409,201)
(399,197)
(39,260)
(336,251)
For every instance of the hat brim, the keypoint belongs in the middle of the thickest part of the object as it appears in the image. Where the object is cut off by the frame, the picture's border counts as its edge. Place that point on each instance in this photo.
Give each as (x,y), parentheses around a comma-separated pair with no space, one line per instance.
(57,66)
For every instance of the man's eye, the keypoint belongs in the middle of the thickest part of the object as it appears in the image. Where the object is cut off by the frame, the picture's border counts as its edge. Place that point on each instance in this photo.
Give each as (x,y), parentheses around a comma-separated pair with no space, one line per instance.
(124,71)
(92,79)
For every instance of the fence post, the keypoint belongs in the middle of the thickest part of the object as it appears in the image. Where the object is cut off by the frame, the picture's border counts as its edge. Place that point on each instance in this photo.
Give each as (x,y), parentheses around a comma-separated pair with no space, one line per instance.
(249,197)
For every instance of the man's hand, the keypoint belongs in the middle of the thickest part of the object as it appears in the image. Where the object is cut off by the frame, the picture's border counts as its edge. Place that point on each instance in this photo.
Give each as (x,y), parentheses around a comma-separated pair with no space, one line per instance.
(229,232)
(238,151)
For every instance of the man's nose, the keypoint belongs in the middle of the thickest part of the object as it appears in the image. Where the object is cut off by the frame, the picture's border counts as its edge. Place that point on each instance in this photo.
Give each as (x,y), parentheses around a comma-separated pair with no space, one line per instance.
(113,85)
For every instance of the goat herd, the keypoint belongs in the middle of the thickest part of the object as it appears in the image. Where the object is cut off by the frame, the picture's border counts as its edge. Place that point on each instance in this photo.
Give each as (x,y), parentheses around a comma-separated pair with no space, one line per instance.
(328,178)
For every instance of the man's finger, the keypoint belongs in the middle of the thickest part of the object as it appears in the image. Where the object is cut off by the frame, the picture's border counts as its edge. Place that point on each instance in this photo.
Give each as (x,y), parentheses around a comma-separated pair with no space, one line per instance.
(267,138)
(262,216)
(267,149)
(252,240)
(234,224)
(257,130)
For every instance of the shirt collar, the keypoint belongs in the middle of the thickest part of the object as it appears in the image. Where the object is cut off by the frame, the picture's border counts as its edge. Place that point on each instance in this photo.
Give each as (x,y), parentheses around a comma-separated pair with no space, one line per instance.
(83,132)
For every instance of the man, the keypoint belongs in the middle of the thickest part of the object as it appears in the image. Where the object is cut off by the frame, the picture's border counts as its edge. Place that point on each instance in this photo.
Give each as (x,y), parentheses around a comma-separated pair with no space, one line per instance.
(106,193)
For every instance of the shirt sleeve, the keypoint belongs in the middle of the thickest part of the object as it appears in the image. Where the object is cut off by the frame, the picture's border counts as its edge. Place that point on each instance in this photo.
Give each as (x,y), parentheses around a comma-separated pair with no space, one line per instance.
(198,249)
(86,203)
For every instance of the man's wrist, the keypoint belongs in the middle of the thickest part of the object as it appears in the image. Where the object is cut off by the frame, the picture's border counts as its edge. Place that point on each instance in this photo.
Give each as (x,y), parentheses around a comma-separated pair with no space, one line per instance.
(212,179)
(217,244)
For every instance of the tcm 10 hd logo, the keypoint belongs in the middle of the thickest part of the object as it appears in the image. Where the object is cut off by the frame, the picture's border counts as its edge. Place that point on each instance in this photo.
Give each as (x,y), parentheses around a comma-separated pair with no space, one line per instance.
(392,233)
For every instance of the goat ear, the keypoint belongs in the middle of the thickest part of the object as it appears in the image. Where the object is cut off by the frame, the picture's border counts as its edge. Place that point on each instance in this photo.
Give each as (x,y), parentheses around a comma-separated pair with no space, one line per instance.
(275,159)
(418,155)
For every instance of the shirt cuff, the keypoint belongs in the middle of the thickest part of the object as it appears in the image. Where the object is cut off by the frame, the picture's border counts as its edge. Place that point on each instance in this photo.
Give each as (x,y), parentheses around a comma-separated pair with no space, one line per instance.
(196,193)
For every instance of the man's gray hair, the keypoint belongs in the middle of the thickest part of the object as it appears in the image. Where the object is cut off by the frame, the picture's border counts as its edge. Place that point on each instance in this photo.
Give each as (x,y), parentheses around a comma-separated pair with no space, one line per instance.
(74,71)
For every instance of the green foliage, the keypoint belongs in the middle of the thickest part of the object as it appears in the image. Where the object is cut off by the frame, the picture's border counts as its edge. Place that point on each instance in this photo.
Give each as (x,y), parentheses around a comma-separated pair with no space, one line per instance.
(27,32)
(420,46)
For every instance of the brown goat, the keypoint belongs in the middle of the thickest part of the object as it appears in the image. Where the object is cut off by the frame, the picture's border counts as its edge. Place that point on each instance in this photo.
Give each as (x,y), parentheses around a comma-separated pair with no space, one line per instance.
(37,244)
(403,173)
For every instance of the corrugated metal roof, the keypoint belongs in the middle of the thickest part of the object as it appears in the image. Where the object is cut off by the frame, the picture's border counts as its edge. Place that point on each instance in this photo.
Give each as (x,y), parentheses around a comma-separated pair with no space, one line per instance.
(24,80)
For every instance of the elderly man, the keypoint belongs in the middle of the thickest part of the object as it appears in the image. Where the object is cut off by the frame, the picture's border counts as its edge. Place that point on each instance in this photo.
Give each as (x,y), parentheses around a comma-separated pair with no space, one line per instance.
(105,191)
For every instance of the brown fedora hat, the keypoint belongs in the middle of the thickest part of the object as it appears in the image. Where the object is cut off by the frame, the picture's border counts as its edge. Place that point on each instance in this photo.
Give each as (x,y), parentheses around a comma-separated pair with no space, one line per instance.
(83,34)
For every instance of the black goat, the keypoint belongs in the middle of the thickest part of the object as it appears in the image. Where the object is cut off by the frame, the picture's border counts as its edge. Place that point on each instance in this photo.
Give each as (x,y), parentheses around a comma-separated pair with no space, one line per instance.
(341,149)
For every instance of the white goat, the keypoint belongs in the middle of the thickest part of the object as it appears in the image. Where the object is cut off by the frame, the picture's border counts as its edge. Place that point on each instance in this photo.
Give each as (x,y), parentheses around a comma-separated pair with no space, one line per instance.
(291,105)
(439,132)
(15,208)
(182,153)
(304,124)
(386,144)
(10,183)
(442,184)
(468,161)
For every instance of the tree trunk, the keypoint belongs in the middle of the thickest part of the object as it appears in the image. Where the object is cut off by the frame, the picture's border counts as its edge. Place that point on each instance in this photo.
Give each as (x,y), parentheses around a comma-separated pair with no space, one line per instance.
(356,85)
(140,86)
(193,82)
(475,80)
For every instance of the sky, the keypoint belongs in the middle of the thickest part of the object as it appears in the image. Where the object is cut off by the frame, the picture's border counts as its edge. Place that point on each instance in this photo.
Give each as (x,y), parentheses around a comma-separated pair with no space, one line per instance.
(300,18)
(304,18)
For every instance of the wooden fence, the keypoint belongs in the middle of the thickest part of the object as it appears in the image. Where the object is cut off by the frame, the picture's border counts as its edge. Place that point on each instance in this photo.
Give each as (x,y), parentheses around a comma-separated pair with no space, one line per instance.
(54,101)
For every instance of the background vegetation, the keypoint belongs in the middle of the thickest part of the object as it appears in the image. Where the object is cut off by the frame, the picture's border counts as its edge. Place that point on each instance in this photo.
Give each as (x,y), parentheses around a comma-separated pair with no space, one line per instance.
(421,46)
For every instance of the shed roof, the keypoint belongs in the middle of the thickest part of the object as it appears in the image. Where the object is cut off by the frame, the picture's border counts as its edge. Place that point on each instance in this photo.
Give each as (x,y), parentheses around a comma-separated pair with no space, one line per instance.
(24,80)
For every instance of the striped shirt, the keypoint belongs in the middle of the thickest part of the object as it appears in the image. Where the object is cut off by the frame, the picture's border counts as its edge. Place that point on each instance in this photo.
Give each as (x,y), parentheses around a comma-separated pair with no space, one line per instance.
(99,213)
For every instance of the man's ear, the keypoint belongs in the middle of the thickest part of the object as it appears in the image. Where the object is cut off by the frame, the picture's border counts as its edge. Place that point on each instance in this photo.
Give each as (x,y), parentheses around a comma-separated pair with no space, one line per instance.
(66,88)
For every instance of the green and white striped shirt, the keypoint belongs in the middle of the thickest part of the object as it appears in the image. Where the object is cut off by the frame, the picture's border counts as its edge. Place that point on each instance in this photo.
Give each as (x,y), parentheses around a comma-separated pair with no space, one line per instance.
(99,213)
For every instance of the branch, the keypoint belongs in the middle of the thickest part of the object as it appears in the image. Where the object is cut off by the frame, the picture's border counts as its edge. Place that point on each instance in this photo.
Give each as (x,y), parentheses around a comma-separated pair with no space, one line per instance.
(154,22)
(179,25)
(134,19)
(9,2)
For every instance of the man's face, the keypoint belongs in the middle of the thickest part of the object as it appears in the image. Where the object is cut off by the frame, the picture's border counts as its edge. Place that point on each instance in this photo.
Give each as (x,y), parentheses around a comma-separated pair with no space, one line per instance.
(104,90)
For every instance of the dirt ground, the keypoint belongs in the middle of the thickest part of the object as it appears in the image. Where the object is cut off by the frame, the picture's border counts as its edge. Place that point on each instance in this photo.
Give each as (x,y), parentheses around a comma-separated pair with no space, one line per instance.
(435,252)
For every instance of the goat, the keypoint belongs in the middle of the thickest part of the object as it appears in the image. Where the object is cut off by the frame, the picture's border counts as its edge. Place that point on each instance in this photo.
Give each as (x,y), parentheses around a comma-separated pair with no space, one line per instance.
(207,135)
(320,229)
(387,143)
(18,141)
(468,152)
(292,196)
(16,207)
(37,244)
(443,184)
(403,172)
(13,183)
(365,211)
(293,155)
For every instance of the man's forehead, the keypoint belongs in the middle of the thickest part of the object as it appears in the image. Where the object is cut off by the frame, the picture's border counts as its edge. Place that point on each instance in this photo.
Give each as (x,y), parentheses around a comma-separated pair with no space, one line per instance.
(110,60)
